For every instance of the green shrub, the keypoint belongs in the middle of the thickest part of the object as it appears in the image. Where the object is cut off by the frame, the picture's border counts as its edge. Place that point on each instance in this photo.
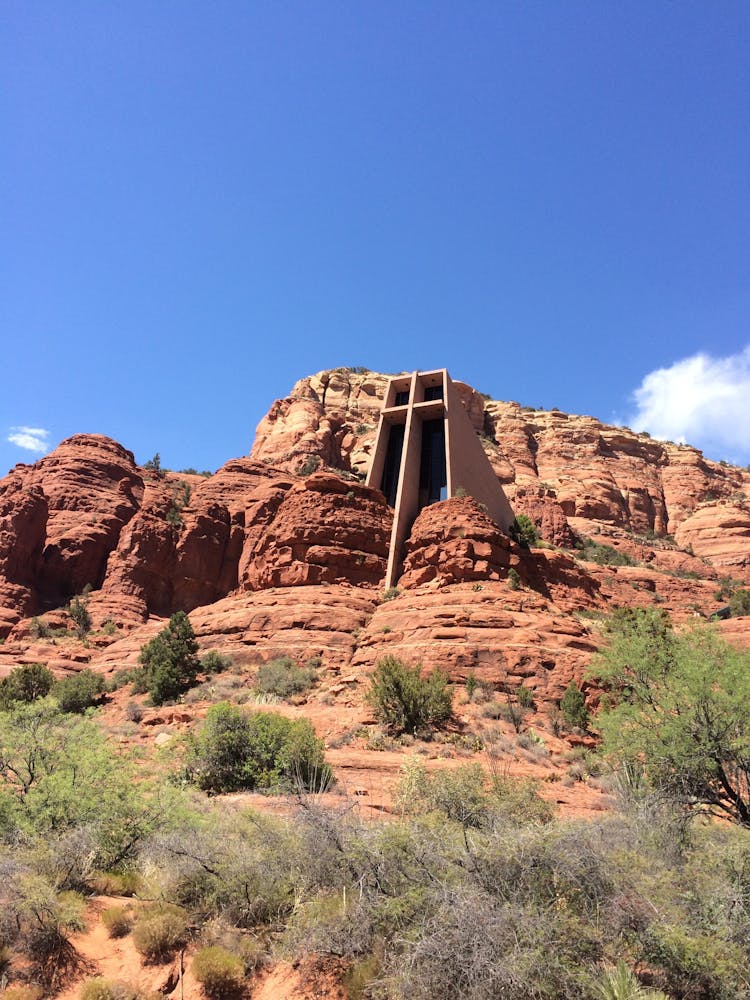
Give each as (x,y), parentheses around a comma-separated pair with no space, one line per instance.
(219,972)
(390,594)
(525,697)
(739,603)
(39,629)
(604,555)
(694,964)
(159,931)
(80,691)
(514,580)
(573,707)
(471,685)
(404,701)
(118,920)
(518,801)
(25,684)
(80,614)
(283,678)
(236,750)
(524,531)
(119,679)
(215,663)
(169,661)
(459,793)
(99,988)
(311,464)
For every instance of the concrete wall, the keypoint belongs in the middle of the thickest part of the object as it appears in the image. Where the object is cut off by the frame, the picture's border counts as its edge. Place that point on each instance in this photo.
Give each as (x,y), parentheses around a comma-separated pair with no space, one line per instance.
(468,466)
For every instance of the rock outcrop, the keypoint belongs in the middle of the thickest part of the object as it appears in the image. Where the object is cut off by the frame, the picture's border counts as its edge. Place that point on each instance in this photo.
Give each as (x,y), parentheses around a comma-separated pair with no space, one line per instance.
(455,542)
(326,530)
(273,558)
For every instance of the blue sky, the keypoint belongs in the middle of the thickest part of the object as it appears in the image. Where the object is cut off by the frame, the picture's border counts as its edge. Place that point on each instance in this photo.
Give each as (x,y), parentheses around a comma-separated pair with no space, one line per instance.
(203,202)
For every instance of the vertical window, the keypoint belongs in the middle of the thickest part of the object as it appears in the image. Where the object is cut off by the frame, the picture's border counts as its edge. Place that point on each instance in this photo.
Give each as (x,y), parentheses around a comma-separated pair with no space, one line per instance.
(432,471)
(392,467)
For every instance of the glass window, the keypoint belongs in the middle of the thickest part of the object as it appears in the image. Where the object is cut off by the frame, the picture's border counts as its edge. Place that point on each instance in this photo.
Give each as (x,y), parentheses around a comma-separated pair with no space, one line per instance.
(392,468)
(402,398)
(433,392)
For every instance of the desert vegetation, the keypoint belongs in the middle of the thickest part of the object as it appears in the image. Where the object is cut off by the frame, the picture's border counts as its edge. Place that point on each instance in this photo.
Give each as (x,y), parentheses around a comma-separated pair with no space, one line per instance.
(473,888)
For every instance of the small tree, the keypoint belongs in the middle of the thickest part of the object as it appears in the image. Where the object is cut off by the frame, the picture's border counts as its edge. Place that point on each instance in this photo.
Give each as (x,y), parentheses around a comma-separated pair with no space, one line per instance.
(154,465)
(170,663)
(524,531)
(682,708)
(25,684)
(405,701)
(573,707)
(80,614)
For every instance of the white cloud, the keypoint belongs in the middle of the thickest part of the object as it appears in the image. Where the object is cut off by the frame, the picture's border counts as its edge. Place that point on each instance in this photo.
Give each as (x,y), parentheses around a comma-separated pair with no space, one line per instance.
(30,438)
(701,400)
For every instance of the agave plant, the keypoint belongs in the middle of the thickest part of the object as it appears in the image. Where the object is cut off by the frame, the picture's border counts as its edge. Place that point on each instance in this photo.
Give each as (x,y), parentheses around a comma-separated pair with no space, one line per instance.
(621,984)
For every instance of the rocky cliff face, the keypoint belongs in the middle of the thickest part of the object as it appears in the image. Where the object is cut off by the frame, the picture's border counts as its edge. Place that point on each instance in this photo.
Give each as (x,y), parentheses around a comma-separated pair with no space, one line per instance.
(285,551)
(570,474)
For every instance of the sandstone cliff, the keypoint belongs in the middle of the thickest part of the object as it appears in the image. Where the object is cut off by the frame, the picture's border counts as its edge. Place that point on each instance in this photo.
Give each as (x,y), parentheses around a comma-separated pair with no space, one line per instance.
(284,551)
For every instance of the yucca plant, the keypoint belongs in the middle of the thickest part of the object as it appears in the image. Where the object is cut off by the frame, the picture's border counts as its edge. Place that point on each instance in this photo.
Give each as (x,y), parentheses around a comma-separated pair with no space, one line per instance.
(621,984)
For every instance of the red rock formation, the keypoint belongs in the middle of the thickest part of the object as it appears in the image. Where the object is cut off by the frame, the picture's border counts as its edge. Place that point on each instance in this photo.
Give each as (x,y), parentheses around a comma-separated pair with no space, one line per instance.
(455,541)
(326,530)
(331,417)
(23,523)
(93,489)
(568,473)
(237,546)
(500,634)
(546,513)
(720,532)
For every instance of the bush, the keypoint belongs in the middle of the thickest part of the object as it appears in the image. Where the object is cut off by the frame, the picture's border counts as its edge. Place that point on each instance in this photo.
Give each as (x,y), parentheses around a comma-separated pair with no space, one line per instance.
(404,701)
(118,921)
(160,931)
(26,684)
(283,678)
(80,691)
(239,750)
(39,629)
(99,988)
(458,794)
(215,663)
(80,614)
(739,603)
(604,555)
(134,712)
(218,971)
(524,531)
(573,707)
(25,991)
(310,464)
(514,580)
(169,660)
(525,697)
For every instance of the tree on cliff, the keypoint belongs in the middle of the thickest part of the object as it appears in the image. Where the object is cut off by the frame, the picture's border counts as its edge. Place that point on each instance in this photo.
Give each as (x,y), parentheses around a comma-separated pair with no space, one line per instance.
(169,660)
(681,707)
